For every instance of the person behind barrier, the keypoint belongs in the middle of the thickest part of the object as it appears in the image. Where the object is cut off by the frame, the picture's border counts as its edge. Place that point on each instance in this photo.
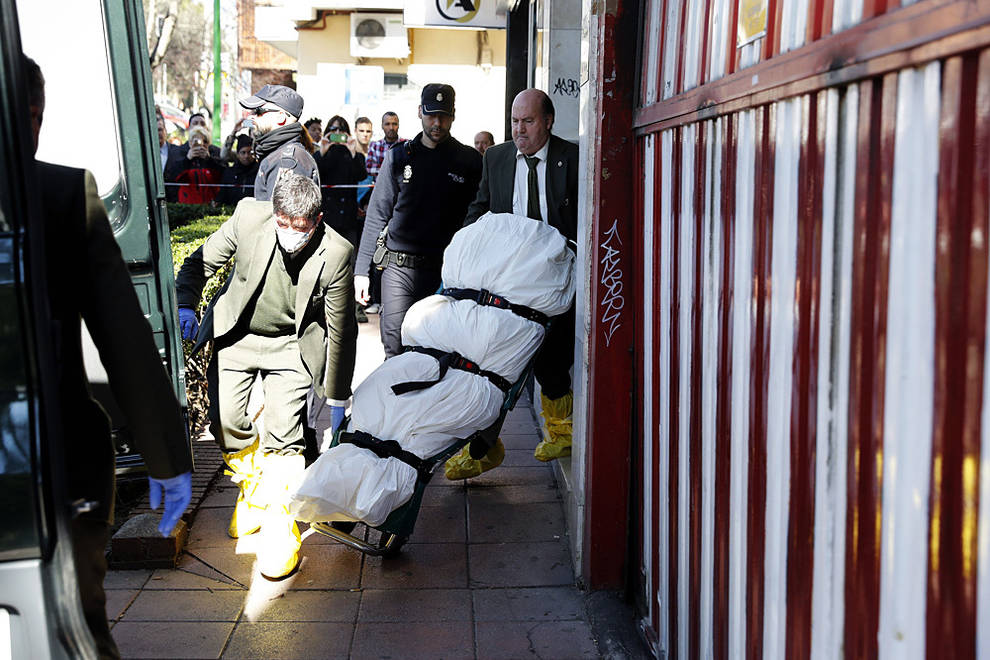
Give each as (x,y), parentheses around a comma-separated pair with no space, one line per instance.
(377,149)
(314,127)
(165,148)
(88,280)
(280,141)
(176,159)
(340,165)
(198,173)
(422,192)
(287,316)
(534,175)
(483,140)
(238,179)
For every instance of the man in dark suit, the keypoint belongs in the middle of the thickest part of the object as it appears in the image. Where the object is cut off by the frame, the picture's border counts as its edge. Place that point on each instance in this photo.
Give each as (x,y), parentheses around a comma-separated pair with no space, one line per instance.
(535,175)
(88,280)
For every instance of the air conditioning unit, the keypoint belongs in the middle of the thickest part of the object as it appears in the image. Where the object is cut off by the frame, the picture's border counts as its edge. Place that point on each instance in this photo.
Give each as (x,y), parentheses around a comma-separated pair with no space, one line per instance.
(378,35)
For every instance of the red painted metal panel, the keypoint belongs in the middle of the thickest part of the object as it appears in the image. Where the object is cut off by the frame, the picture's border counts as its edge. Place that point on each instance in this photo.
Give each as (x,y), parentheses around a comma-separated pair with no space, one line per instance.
(679,75)
(960,313)
(731,51)
(661,45)
(706,29)
(771,43)
(874,168)
(674,421)
(759,373)
(804,393)
(611,320)
(723,418)
(697,353)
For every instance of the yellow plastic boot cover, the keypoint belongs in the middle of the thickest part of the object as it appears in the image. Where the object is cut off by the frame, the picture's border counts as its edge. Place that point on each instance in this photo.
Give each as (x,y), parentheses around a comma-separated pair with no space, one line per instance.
(557,418)
(462,466)
(245,471)
(279,543)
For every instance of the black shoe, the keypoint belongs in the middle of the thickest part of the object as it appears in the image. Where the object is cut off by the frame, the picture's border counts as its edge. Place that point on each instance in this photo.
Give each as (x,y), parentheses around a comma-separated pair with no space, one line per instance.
(361,316)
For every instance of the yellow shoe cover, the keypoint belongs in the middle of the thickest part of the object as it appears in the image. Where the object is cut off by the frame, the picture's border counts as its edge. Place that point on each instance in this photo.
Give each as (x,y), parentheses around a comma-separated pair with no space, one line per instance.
(245,471)
(557,418)
(462,466)
(279,542)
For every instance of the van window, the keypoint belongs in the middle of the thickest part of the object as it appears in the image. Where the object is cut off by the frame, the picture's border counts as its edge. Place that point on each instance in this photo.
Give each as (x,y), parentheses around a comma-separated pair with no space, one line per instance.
(18,533)
(67,38)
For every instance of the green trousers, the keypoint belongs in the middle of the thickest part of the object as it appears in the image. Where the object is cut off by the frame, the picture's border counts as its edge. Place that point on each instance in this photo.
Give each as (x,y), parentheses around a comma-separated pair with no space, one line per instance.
(285,381)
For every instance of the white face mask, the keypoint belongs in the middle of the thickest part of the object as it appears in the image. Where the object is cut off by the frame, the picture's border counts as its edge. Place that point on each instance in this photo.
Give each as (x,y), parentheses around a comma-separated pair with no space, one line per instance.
(291,240)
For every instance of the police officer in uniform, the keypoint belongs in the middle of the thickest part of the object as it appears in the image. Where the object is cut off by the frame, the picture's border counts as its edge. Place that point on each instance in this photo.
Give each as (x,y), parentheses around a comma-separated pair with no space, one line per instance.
(421,195)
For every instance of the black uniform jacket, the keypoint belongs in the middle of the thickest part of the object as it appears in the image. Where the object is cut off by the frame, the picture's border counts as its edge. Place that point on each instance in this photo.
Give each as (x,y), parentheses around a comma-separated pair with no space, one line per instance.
(422,195)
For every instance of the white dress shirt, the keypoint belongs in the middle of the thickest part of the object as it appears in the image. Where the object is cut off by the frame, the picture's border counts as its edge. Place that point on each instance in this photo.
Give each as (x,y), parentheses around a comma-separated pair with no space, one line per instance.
(520,191)
(163,150)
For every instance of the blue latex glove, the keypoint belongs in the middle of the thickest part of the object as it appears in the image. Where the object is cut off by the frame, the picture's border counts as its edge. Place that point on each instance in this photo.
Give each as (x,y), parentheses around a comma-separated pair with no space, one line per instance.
(178,493)
(188,323)
(336,417)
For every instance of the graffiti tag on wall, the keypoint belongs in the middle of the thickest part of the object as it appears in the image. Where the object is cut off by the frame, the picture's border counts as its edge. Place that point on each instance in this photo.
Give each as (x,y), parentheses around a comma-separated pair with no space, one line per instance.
(612,303)
(567,87)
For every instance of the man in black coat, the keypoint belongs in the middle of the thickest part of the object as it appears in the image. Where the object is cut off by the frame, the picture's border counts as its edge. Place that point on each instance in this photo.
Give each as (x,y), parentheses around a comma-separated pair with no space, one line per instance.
(88,280)
(535,175)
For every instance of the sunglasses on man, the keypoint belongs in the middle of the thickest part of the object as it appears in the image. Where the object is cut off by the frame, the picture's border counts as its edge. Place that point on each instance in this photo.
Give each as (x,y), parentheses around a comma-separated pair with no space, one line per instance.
(260,111)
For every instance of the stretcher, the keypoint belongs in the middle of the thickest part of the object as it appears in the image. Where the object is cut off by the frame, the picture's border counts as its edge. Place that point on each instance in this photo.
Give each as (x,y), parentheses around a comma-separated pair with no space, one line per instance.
(470,350)
(399,525)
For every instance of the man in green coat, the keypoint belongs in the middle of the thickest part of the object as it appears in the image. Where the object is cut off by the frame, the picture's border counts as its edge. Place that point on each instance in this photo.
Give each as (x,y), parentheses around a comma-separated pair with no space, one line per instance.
(286,316)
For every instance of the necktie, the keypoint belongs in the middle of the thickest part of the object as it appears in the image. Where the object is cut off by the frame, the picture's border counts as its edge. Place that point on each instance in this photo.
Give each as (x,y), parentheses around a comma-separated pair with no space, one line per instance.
(532,189)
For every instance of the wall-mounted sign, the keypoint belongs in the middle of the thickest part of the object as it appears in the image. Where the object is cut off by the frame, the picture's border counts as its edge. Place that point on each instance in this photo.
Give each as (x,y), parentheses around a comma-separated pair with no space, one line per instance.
(752,21)
(455,13)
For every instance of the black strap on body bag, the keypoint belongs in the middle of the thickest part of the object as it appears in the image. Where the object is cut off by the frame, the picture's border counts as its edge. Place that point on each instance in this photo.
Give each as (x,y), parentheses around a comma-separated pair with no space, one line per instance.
(489,299)
(447,361)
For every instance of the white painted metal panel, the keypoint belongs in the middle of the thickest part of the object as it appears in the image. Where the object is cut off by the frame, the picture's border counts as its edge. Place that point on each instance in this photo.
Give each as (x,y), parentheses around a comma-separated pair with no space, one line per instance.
(712,279)
(910,367)
(742,323)
(693,27)
(718,39)
(846,13)
(648,375)
(665,599)
(671,48)
(790,117)
(686,293)
(750,54)
(793,24)
(652,47)
(828,592)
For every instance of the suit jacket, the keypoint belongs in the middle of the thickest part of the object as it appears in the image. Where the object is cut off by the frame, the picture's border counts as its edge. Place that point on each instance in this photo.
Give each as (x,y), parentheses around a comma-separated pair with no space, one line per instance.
(324,310)
(89,280)
(498,179)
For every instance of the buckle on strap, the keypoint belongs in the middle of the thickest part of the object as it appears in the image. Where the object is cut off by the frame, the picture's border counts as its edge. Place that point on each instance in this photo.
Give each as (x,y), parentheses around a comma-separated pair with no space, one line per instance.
(386,449)
(449,360)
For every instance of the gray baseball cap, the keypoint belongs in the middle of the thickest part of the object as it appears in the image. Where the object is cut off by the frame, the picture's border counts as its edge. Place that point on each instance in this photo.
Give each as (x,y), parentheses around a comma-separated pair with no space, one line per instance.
(282,96)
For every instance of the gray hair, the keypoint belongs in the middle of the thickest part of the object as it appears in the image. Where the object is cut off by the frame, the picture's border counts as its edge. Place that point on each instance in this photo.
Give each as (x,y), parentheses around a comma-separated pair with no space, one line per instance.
(296,196)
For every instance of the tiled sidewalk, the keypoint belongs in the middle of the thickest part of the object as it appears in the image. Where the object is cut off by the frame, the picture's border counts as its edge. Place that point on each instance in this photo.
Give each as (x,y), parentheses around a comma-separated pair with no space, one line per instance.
(486,574)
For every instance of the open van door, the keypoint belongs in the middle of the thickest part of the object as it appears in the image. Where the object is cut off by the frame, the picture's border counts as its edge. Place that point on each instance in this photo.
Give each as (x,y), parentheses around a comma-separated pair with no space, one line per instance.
(40,612)
(99,116)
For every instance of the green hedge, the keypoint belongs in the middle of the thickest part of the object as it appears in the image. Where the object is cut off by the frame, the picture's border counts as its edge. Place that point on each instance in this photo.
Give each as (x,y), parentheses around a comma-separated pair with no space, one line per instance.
(180,215)
(185,240)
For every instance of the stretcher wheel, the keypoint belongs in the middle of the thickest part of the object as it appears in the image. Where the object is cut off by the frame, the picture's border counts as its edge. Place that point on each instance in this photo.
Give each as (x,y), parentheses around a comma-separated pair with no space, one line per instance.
(391,545)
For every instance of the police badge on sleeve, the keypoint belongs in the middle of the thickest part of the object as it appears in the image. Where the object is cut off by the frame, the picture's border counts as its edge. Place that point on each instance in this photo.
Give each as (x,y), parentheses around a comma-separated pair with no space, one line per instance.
(406,173)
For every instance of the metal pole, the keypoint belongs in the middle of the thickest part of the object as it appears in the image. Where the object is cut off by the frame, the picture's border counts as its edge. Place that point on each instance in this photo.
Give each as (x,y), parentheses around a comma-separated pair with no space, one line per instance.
(217,73)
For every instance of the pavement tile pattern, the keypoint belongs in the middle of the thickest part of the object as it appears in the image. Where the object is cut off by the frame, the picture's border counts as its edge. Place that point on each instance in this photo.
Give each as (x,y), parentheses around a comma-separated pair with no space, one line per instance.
(486,574)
